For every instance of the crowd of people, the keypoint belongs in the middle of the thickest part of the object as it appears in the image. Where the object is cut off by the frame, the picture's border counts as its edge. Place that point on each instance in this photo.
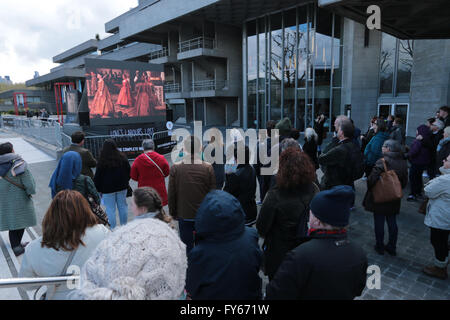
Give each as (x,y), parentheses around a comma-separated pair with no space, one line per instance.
(200,237)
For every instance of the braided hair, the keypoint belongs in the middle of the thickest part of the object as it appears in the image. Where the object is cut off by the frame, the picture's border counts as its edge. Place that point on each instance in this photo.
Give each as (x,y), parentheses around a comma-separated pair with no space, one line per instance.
(148,198)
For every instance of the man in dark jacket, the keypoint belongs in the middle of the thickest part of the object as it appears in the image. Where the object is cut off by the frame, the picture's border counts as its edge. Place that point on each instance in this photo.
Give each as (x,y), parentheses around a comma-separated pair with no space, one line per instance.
(329,266)
(437,133)
(396,132)
(225,261)
(87,158)
(242,185)
(335,140)
(444,114)
(335,163)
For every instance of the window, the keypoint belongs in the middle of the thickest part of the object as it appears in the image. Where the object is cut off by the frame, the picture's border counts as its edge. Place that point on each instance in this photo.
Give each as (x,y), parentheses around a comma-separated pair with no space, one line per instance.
(396,60)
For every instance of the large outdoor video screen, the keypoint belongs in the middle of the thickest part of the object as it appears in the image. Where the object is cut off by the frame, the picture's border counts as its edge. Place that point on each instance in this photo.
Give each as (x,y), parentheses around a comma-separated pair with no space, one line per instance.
(124,92)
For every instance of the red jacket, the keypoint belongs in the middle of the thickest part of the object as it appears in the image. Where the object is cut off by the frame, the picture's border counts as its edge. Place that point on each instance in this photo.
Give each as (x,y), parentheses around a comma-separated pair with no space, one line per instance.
(147,174)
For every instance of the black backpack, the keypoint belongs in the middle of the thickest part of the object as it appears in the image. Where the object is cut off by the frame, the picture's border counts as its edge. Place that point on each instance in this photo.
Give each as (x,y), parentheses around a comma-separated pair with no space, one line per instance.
(355,164)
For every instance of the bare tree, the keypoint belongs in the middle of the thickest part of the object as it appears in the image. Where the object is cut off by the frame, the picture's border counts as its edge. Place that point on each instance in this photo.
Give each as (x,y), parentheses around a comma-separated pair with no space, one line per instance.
(384,61)
(286,53)
(407,47)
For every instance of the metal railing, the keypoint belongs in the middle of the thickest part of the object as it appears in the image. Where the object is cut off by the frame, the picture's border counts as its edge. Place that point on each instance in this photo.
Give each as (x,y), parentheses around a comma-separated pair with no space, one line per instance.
(159,53)
(210,85)
(172,87)
(196,43)
(47,130)
(41,281)
(95,143)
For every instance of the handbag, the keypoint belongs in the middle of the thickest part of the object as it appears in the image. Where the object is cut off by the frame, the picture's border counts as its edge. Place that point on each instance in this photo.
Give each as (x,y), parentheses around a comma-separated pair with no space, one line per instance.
(129,191)
(102,217)
(388,188)
(63,273)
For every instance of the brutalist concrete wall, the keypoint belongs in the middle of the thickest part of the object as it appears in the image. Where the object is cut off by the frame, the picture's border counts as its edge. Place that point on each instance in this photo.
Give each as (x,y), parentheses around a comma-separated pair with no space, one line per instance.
(360,72)
(430,81)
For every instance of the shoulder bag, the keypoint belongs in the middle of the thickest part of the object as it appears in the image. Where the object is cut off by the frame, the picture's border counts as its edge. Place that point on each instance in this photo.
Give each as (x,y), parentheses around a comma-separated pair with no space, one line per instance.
(18,185)
(155,164)
(388,188)
(102,217)
(63,273)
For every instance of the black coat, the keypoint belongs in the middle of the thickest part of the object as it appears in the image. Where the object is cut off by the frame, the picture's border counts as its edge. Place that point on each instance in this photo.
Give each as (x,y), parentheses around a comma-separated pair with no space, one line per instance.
(326,267)
(242,185)
(280,214)
(335,165)
(310,148)
(394,161)
(318,127)
(109,180)
(225,261)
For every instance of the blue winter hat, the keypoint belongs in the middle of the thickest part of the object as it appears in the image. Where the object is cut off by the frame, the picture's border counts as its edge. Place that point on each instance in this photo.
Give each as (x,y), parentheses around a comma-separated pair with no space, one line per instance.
(333,206)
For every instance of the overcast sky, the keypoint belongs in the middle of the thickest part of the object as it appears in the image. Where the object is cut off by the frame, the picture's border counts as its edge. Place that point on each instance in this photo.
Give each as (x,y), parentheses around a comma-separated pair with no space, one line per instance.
(32,32)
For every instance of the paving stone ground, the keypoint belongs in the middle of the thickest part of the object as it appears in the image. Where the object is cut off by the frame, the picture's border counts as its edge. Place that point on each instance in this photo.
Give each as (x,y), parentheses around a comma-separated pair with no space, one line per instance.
(401,276)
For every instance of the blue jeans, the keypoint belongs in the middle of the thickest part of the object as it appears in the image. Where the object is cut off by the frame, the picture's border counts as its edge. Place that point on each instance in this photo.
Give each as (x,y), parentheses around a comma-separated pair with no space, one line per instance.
(379,230)
(111,200)
(186,228)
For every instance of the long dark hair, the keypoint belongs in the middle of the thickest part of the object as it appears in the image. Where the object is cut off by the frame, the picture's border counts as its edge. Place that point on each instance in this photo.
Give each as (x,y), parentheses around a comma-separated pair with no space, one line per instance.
(110,156)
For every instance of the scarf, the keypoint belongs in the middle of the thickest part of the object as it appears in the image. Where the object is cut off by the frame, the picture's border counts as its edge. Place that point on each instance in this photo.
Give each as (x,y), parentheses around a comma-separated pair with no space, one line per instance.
(68,169)
(13,162)
(442,142)
(325,233)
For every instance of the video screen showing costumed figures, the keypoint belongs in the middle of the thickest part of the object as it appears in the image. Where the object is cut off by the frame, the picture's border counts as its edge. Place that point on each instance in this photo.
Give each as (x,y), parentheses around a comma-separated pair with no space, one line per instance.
(124,92)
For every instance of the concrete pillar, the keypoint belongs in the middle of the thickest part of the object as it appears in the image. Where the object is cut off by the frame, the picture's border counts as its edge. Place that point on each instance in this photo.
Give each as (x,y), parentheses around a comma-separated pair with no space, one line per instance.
(430,81)
(360,72)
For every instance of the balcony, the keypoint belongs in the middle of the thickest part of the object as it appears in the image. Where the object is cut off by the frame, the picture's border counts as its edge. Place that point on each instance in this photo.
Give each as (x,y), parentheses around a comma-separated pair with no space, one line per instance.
(196,43)
(172,87)
(206,85)
(161,56)
(201,46)
(200,89)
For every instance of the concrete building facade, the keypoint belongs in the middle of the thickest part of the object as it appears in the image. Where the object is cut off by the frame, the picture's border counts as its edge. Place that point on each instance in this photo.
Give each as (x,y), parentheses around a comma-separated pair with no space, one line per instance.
(242,63)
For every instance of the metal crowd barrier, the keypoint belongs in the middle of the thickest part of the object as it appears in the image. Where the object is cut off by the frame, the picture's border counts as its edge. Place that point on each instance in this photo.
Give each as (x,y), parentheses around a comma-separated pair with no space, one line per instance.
(47,130)
(95,143)
(42,281)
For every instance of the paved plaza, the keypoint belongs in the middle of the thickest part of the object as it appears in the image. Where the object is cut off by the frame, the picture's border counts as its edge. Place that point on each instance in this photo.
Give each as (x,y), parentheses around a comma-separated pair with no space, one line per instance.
(401,276)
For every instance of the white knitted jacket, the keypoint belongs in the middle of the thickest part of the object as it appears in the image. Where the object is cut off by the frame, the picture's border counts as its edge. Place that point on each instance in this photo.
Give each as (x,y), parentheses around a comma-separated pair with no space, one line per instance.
(143,260)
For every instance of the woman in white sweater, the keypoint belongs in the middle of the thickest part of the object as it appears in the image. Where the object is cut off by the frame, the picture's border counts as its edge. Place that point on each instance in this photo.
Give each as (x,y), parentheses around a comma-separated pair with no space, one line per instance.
(70,234)
(438,219)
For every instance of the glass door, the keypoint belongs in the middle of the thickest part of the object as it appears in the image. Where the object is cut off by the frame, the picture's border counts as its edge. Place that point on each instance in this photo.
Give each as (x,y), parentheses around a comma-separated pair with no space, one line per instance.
(402,111)
(384,110)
